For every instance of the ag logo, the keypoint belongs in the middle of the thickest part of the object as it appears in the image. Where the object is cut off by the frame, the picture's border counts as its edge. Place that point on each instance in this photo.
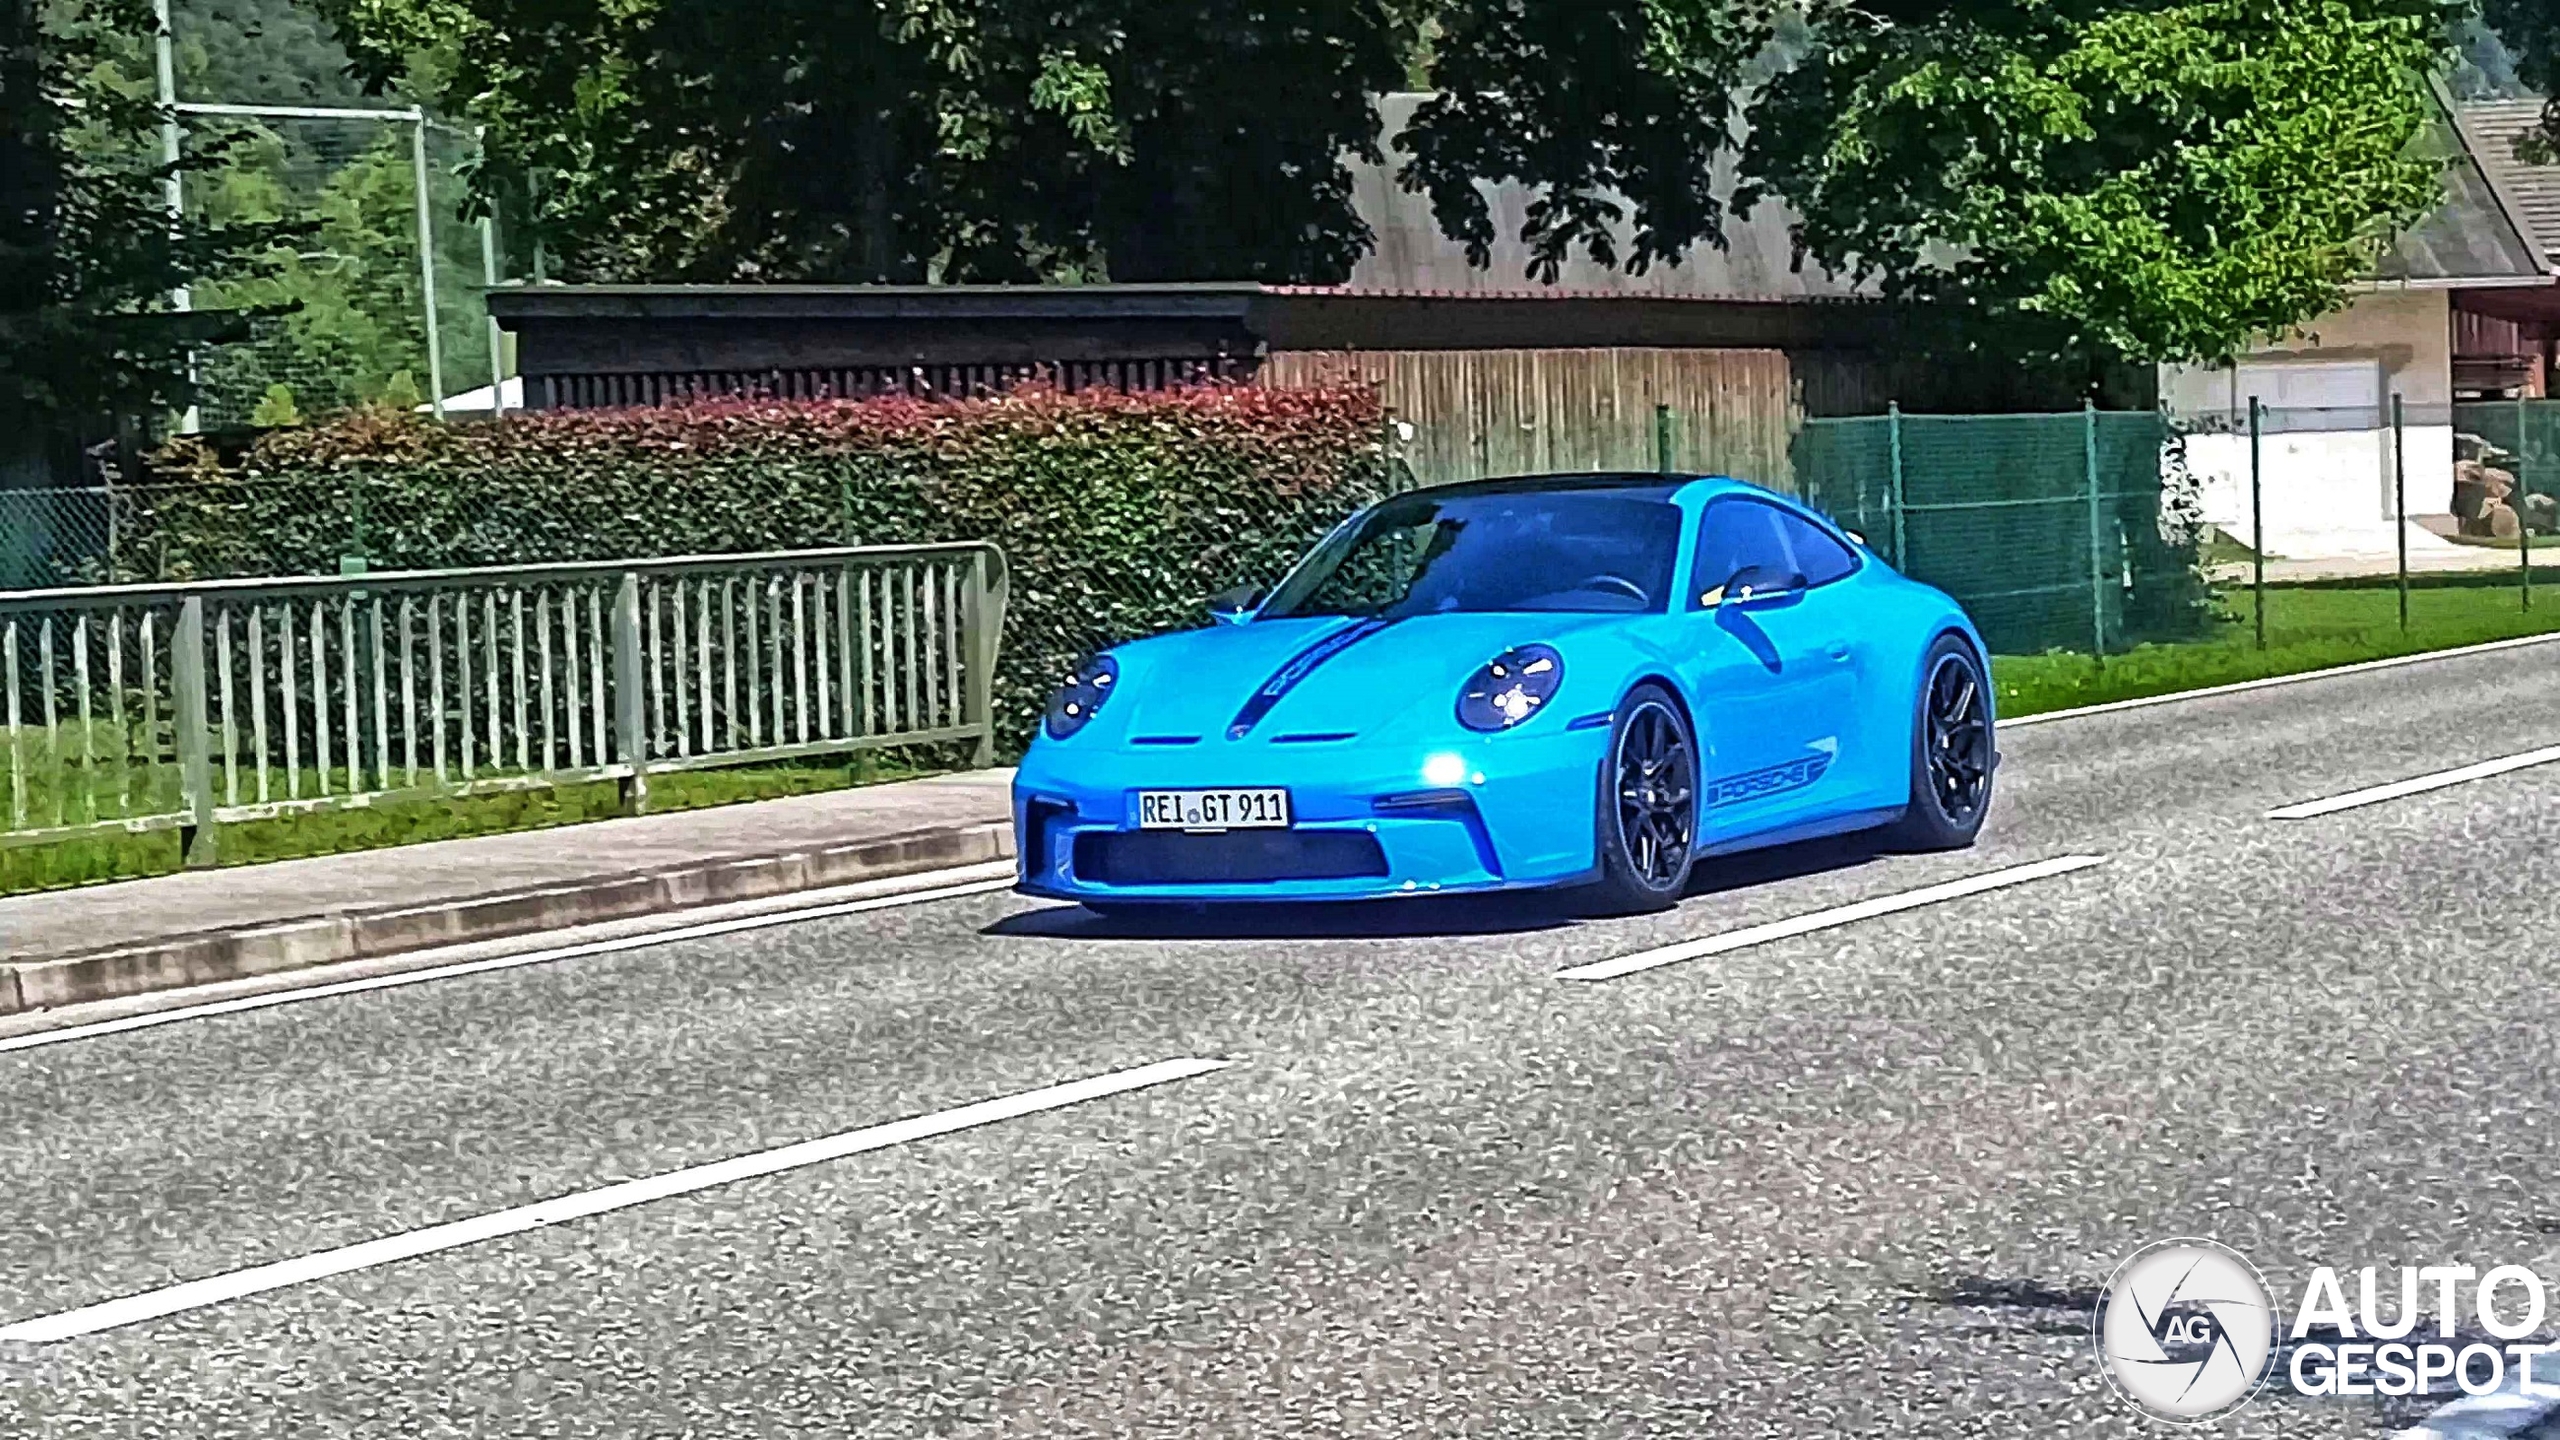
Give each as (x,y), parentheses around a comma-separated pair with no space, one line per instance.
(2186,1329)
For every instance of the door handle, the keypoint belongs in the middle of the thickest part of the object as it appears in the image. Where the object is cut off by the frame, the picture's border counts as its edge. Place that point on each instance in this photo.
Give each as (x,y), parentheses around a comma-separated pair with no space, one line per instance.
(1838,650)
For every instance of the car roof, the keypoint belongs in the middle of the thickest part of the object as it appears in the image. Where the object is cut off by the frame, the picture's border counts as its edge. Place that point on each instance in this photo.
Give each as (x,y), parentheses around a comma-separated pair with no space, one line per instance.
(1646,484)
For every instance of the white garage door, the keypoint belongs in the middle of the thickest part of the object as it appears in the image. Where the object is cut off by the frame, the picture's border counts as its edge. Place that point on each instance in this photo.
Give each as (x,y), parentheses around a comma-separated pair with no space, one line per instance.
(2348,386)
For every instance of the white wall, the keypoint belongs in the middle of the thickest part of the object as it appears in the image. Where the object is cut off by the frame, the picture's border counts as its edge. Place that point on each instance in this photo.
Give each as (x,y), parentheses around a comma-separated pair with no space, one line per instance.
(2326,451)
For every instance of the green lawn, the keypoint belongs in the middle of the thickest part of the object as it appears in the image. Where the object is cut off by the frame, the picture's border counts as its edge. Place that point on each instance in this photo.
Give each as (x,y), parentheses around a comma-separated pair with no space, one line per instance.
(2309,627)
(124,857)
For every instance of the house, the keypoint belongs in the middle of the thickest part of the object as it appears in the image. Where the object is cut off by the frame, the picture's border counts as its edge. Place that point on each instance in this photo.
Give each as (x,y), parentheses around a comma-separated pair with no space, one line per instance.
(1706,363)
(2463,307)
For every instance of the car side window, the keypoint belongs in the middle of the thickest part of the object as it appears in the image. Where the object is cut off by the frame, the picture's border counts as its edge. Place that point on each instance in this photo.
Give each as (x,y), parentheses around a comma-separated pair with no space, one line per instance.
(1819,558)
(1732,534)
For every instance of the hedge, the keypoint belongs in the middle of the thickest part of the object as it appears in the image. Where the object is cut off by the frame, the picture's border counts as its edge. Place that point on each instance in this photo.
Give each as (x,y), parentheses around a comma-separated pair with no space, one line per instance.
(1118,513)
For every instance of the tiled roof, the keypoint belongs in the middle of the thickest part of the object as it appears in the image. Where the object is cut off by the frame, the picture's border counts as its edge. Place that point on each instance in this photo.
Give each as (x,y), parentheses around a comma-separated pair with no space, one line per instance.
(2494,126)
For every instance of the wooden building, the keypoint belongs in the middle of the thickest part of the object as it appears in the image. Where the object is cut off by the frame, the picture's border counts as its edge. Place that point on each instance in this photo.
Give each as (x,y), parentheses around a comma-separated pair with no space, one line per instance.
(1495,372)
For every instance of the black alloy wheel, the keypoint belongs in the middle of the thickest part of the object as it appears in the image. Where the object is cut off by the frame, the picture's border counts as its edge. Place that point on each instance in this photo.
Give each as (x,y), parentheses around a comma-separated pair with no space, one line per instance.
(1649,806)
(1952,751)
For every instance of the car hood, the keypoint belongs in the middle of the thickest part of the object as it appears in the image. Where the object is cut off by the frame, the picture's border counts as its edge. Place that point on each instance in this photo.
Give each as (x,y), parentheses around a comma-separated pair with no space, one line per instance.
(1330,675)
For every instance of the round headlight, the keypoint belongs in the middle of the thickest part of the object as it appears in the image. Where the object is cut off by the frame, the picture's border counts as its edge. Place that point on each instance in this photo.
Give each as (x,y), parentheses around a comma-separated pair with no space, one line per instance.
(1083,694)
(1511,687)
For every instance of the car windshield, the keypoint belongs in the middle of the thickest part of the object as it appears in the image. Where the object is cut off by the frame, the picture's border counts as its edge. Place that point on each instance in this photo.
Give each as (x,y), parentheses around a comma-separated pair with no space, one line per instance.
(1596,551)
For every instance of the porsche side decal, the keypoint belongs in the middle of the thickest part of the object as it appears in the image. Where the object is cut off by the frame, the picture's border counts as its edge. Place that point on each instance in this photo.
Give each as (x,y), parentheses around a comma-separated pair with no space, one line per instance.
(1753,785)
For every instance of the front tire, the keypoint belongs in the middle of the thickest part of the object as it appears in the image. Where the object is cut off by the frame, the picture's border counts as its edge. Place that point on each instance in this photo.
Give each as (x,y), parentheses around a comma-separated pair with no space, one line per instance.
(1952,755)
(1647,812)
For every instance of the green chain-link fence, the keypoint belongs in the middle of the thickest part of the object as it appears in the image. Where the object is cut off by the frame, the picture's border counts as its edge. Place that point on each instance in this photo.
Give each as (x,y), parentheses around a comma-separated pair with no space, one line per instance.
(2507,458)
(2069,531)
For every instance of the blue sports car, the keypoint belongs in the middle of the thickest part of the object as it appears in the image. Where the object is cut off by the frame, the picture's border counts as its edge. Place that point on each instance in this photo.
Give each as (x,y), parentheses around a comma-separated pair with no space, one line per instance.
(1559,681)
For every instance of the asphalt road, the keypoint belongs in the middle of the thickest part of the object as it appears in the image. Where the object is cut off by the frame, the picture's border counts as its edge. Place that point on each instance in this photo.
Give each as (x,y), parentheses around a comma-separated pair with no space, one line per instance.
(1438,1191)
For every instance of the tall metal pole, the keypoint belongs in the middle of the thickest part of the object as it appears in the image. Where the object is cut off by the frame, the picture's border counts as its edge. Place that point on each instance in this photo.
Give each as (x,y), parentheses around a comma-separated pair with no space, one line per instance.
(489,282)
(2097,569)
(427,265)
(164,58)
(2523,494)
(2400,500)
(2257,521)
(497,336)
(1893,439)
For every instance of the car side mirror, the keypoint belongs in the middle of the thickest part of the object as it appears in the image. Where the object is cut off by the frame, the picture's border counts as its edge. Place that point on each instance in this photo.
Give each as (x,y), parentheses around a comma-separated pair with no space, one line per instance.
(1759,585)
(1234,606)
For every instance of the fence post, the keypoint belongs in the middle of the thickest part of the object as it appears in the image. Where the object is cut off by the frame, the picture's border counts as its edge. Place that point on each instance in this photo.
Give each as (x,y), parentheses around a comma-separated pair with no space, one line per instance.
(978,695)
(427,261)
(2257,521)
(1662,439)
(195,765)
(629,691)
(1893,437)
(2097,547)
(2523,497)
(2400,501)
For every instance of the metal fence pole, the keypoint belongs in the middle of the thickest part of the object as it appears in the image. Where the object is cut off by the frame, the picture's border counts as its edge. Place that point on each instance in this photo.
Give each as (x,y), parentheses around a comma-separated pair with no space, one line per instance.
(2097,568)
(2523,506)
(2400,500)
(2257,521)
(630,735)
(1662,439)
(195,764)
(978,693)
(427,265)
(1893,439)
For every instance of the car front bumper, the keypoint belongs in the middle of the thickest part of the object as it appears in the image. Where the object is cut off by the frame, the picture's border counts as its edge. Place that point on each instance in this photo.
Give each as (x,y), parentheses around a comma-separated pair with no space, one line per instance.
(1366,822)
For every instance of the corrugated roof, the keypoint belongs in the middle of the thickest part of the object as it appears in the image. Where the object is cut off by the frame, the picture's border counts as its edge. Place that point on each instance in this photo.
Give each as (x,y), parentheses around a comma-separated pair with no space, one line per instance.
(2494,126)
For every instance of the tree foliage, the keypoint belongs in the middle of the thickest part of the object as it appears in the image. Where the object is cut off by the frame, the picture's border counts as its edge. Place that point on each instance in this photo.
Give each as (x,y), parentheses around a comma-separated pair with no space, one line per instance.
(906,140)
(2159,180)
(89,254)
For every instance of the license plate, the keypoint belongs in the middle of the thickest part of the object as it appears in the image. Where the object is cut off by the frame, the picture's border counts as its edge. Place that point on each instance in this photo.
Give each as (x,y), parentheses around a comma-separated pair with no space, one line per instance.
(1264,809)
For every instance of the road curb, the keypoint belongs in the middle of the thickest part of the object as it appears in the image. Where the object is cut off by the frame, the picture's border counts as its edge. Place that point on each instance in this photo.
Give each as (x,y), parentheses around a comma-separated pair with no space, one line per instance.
(180,961)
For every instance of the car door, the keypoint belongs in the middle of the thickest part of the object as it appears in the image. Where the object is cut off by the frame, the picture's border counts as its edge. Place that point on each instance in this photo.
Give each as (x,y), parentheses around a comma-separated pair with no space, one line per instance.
(1773,671)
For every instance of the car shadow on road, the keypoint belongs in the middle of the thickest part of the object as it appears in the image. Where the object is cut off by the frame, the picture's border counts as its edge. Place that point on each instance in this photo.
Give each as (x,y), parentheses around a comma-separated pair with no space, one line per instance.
(1406,917)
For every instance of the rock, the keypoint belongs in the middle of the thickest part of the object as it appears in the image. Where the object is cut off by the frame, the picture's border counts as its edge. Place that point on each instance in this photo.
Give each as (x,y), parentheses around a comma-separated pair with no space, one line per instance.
(2503,522)
(2470,499)
(2499,483)
(2542,514)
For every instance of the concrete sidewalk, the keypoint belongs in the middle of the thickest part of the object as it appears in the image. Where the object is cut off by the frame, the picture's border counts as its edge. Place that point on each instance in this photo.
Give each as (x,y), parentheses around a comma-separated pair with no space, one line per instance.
(66,947)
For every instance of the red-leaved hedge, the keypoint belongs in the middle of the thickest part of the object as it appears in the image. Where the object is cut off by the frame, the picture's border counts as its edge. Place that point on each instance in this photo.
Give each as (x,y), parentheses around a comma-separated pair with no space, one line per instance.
(1118,513)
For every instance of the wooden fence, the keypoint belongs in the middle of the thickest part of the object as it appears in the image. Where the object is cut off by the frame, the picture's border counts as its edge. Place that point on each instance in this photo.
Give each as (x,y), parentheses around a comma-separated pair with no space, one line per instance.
(1521,412)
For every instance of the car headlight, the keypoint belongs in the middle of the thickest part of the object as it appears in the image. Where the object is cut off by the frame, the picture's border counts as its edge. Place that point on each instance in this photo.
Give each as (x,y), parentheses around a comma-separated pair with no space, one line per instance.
(1082,695)
(1511,687)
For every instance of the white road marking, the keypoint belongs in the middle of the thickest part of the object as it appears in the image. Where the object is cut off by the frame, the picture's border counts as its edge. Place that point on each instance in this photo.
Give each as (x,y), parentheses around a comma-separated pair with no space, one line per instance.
(998,875)
(1828,919)
(2416,785)
(2269,682)
(220,1289)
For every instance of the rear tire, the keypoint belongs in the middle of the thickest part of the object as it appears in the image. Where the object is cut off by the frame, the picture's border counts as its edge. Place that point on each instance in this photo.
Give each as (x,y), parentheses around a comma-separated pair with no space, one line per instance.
(1952,753)
(1646,813)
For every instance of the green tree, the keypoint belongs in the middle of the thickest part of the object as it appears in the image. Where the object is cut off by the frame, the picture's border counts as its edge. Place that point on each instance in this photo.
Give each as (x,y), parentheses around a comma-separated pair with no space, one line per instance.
(88,252)
(2153,180)
(907,140)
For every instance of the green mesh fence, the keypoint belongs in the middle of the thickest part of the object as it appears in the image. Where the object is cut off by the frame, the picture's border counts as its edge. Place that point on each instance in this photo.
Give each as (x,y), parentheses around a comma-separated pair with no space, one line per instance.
(2070,531)
(2507,457)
